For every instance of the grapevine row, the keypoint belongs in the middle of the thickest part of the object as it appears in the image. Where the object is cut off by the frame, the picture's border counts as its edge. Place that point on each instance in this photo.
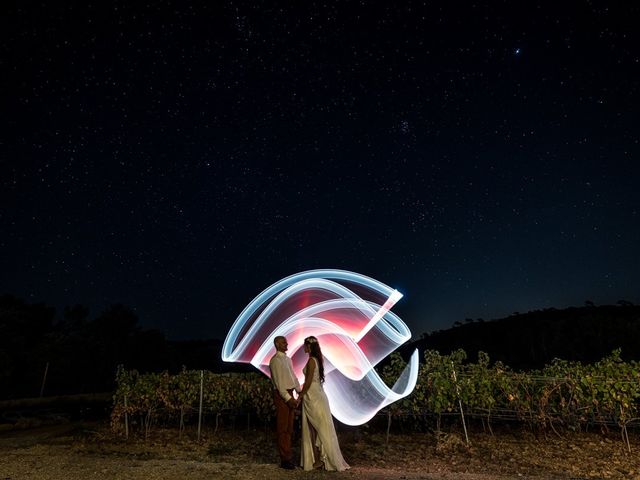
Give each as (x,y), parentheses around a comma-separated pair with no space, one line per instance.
(570,394)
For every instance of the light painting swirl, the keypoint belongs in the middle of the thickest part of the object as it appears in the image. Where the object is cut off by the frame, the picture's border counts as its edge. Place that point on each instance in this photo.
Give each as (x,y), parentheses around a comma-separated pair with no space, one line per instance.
(351,316)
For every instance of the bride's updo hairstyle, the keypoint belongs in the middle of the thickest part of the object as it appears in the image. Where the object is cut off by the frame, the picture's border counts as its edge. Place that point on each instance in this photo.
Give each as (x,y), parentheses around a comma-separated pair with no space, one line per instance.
(316,352)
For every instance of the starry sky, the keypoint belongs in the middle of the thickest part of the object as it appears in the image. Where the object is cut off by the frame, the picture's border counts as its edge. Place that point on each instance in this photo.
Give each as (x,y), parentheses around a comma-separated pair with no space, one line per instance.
(179,157)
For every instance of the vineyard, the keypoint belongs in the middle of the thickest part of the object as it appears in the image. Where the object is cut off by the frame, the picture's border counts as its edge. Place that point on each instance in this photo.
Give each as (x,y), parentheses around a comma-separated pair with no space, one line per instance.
(562,396)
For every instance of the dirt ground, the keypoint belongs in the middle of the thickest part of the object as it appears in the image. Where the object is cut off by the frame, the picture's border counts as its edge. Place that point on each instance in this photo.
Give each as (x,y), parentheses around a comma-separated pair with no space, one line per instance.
(81,451)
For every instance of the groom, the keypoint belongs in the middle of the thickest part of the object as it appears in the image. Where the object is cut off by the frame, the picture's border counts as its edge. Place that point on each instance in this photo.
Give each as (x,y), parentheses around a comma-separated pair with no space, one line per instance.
(284,383)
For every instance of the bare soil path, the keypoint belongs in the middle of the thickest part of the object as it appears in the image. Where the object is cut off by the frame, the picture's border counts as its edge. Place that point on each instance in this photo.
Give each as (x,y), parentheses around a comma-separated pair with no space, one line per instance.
(91,451)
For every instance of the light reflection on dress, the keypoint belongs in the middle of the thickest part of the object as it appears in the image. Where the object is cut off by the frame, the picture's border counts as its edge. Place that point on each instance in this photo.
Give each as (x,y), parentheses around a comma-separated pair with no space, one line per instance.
(316,412)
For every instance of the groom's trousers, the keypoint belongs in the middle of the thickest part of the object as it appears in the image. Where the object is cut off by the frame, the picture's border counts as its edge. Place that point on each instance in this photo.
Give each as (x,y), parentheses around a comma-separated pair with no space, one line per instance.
(284,426)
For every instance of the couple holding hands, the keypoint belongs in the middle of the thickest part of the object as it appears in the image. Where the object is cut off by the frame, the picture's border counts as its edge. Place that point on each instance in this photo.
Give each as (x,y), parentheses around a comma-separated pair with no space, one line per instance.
(320,448)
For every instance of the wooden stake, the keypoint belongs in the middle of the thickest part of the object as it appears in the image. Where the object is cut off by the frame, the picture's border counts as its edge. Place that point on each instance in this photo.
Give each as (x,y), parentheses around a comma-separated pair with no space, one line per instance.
(464,425)
(126,419)
(44,379)
(200,409)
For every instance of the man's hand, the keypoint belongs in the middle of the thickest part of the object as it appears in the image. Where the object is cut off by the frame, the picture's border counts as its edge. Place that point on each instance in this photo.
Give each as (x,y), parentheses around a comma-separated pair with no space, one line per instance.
(292,403)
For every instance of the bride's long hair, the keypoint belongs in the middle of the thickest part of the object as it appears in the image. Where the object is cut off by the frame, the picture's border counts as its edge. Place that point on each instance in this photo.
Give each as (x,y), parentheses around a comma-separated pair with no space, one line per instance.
(316,352)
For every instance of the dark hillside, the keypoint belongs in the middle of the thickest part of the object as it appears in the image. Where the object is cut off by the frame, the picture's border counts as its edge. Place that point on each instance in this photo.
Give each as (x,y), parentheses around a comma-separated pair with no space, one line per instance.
(532,339)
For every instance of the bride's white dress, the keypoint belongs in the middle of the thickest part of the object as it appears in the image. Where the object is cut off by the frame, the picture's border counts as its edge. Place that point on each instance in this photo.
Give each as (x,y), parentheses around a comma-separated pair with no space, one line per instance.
(316,412)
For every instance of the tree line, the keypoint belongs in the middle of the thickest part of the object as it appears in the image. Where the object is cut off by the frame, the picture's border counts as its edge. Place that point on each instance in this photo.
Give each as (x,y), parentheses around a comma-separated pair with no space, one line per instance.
(80,354)
(533,339)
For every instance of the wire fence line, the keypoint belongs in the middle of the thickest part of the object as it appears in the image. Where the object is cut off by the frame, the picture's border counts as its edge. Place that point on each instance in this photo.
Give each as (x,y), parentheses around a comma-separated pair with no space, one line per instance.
(562,395)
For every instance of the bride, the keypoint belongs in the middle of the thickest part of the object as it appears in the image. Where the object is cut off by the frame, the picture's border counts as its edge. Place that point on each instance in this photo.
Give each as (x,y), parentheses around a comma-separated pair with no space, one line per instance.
(320,446)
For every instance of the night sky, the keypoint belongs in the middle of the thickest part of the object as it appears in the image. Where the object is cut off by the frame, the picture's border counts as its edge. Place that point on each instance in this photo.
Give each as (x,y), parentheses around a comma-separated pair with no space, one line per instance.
(179,157)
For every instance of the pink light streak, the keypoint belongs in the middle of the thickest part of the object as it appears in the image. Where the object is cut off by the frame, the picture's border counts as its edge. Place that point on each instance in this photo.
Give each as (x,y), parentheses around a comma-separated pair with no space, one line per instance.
(355,333)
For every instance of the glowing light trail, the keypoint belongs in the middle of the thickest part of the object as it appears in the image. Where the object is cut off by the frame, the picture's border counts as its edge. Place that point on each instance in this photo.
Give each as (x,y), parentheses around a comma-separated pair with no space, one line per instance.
(391,301)
(355,332)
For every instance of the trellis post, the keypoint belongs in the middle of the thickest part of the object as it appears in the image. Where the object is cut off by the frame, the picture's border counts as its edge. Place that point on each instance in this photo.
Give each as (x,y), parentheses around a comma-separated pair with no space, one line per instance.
(200,408)
(44,379)
(126,419)
(464,425)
